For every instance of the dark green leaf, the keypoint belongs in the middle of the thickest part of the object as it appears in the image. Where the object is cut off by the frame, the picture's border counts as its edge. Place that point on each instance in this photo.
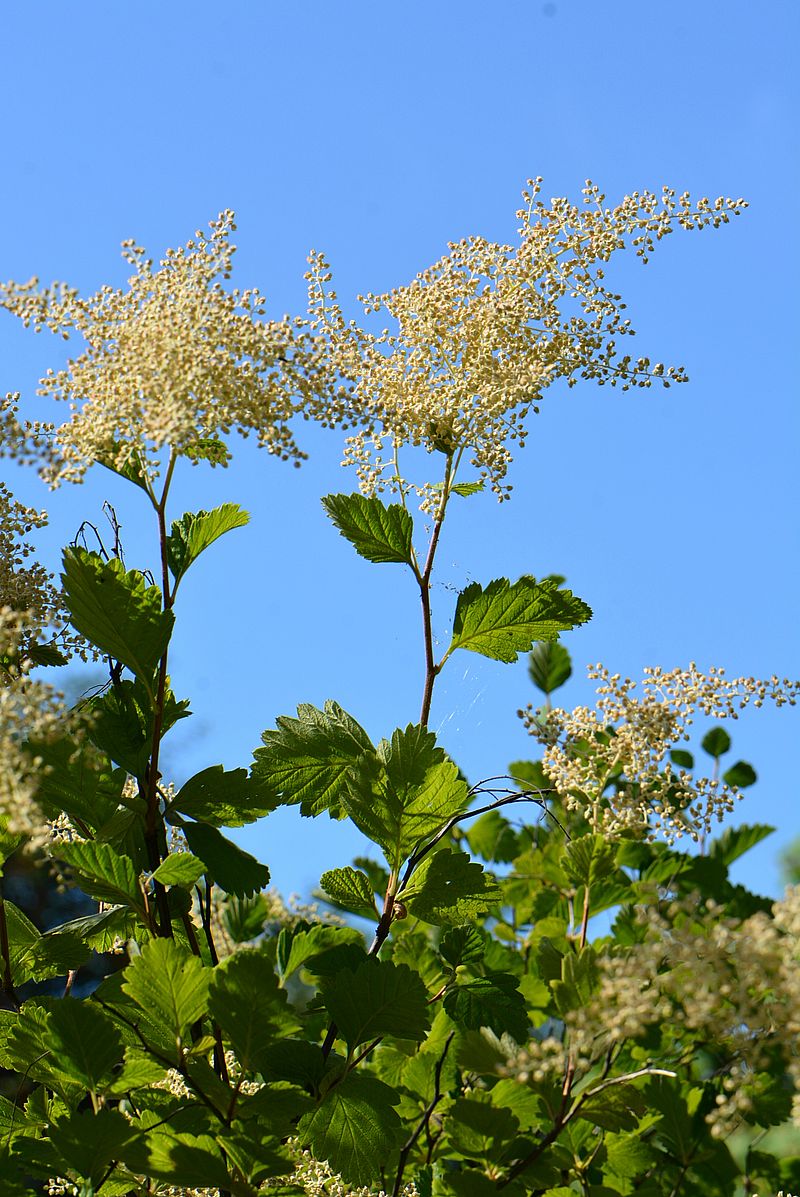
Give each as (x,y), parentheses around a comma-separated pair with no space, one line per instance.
(377,532)
(194,532)
(355,1129)
(505,619)
(248,1005)
(494,1002)
(735,841)
(492,837)
(550,666)
(87,1142)
(180,1159)
(681,758)
(77,780)
(479,1130)
(448,887)
(462,945)
(170,985)
(132,469)
(308,759)
(716,742)
(377,998)
(224,797)
(351,890)
(233,869)
(617,1108)
(116,610)
(741,774)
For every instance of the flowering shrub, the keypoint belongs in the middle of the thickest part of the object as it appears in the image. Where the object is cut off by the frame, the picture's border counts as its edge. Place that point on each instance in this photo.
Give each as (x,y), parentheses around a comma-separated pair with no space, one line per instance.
(552,998)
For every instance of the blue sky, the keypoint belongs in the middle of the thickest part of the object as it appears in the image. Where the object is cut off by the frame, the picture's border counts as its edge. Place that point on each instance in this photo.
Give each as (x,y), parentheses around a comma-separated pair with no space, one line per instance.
(378,133)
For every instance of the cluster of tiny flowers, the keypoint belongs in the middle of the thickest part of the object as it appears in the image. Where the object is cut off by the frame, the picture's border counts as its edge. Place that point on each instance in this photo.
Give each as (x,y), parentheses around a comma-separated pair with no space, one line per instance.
(171,361)
(612,762)
(725,982)
(481,334)
(29,709)
(317,1179)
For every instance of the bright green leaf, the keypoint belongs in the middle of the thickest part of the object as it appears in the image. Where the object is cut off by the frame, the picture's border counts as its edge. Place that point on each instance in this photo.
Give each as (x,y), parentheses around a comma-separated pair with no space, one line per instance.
(116,610)
(351,890)
(170,985)
(355,1129)
(377,532)
(180,868)
(103,873)
(505,619)
(448,887)
(195,531)
(735,841)
(308,759)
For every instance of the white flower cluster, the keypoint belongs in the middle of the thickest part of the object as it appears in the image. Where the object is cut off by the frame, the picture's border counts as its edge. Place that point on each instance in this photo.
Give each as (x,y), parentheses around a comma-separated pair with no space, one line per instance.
(612,762)
(171,361)
(481,334)
(727,983)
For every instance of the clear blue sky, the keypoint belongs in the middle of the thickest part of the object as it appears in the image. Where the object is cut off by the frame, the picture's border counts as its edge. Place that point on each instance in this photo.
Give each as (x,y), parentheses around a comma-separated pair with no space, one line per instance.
(377,133)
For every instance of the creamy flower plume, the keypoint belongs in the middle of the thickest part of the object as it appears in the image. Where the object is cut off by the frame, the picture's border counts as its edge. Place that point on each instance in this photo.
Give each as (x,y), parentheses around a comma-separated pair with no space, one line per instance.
(612,762)
(481,334)
(172,360)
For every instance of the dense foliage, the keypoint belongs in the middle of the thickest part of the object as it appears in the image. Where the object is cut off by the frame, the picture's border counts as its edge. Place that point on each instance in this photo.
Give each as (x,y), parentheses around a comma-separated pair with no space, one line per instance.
(526,986)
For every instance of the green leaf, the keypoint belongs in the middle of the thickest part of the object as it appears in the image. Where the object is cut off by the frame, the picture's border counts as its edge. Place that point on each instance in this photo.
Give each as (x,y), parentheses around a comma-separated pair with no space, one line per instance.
(180,1159)
(479,1130)
(617,1108)
(122,722)
(506,619)
(308,759)
(139,1071)
(681,758)
(716,742)
(404,792)
(132,470)
(248,1006)
(377,532)
(735,841)
(377,998)
(589,859)
(194,532)
(180,868)
(492,837)
(224,797)
(318,947)
(116,610)
(351,890)
(494,1002)
(103,873)
(169,984)
(87,1142)
(741,774)
(355,1129)
(100,931)
(465,489)
(550,666)
(207,448)
(84,1041)
(462,945)
(448,887)
(77,780)
(233,869)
